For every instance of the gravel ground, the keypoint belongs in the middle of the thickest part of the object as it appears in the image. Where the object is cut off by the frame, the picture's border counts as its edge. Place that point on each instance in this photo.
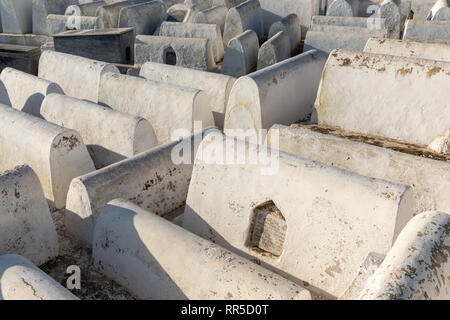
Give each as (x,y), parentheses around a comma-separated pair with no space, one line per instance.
(94,286)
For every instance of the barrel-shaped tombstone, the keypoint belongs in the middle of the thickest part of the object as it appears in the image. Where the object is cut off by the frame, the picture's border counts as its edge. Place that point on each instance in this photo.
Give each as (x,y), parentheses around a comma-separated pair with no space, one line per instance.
(27,226)
(282,93)
(57,155)
(84,80)
(157,180)
(25,91)
(109,135)
(168,108)
(415,268)
(125,250)
(216,86)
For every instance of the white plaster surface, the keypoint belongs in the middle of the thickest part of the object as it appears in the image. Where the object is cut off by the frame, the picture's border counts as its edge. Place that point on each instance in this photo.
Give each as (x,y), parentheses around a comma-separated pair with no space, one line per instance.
(127,247)
(26,224)
(329,232)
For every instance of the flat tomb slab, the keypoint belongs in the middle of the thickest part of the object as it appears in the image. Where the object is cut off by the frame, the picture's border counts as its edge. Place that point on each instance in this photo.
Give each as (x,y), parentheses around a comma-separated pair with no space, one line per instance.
(23,58)
(108,45)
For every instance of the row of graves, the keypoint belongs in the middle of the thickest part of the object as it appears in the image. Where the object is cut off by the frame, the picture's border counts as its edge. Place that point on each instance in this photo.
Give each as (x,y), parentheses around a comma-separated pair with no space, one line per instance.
(224,149)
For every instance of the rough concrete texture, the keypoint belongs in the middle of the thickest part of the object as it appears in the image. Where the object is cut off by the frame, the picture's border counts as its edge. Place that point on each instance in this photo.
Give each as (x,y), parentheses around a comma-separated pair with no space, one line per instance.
(384,105)
(22,280)
(25,91)
(427,174)
(340,8)
(325,42)
(241,57)
(417,267)
(184,52)
(16,16)
(150,180)
(427,29)
(389,11)
(217,87)
(60,23)
(57,155)
(84,80)
(144,17)
(148,100)
(127,247)
(27,226)
(274,50)
(431,51)
(196,30)
(215,15)
(282,93)
(246,16)
(110,136)
(291,26)
(328,232)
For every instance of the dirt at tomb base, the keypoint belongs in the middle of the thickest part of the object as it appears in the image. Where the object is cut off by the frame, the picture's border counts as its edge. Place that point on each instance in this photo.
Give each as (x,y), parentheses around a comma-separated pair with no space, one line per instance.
(94,286)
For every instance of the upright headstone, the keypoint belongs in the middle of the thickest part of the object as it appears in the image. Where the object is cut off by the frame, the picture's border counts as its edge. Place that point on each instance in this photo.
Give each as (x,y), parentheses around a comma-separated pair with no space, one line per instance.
(241,56)
(246,16)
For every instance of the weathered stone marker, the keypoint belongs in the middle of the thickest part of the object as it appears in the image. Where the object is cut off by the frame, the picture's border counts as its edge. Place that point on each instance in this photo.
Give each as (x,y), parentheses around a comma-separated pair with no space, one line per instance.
(417,267)
(125,250)
(329,232)
(216,86)
(429,178)
(16,16)
(184,52)
(427,29)
(149,100)
(61,23)
(431,51)
(25,91)
(27,226)
(241,57)
(246,16)
(340,8)
(196,30)
(144,17)
(291,26)
(384,105)
(57,155)
(150,179)
(325,41)
(216,15)
(84,80)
